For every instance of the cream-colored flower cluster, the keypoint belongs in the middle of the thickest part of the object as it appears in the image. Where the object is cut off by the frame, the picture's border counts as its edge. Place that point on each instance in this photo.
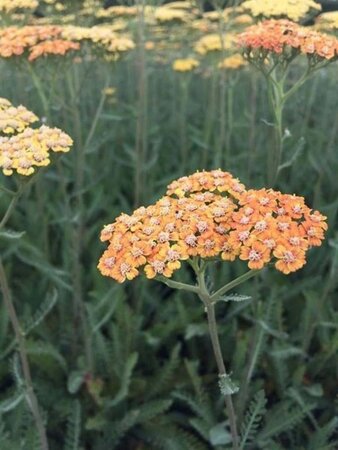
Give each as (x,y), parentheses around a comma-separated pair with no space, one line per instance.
(233,62)
(213,42)
(328,21)
(14,119)
(185,64)
(27,148)
(295,10)
(102,35)
(8,6)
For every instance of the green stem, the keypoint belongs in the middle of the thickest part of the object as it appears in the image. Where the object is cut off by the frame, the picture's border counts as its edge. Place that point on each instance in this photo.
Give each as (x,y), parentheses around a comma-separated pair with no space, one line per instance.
(184,82)
(213,332)
(20,338)
(141,124)
(177,285)
(276,97)
(237,281)
(38,85)
(13,202)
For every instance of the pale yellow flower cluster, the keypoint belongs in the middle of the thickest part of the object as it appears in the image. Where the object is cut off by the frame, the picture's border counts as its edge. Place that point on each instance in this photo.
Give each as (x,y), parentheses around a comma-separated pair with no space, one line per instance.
(7,6)
(27,148)
(295,10)
(14,119)
(100,34)
(116,11)
(165,14)
(185,64)
(213,42)
(235,61)
(328,21)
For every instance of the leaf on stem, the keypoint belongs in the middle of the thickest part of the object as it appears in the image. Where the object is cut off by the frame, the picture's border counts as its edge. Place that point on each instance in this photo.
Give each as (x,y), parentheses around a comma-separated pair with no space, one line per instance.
(226,385)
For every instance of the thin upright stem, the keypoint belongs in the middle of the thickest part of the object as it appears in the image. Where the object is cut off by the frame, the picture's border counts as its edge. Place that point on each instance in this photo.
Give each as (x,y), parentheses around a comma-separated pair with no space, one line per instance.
(213,332)
(20,338)
(39,87)
(141,123)
(212,324)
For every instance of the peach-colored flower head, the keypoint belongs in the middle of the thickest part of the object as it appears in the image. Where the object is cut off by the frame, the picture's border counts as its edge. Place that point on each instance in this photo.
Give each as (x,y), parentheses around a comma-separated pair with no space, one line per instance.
(282,37)
(211,215)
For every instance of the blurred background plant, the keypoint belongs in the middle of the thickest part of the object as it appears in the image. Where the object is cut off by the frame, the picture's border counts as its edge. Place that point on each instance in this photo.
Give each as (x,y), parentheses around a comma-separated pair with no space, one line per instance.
(123,367)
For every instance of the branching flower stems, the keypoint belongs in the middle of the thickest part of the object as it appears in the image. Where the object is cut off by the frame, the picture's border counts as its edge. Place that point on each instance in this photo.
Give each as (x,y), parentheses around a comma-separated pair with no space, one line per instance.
(19,334)
(209,300)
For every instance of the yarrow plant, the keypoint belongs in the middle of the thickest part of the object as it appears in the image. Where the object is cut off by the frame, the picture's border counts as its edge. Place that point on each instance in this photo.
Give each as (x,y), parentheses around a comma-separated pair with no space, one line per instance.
(271,46)
(26,148)
(22,150)
(206,217)
(291,9)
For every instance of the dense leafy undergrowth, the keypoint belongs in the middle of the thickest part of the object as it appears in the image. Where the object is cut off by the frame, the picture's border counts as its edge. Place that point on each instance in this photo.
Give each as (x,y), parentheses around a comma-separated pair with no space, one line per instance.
(130,367)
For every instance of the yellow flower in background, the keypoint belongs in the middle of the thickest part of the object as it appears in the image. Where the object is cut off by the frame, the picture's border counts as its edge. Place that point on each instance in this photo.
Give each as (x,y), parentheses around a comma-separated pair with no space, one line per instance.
(165,14)
(60,7)
(27,148)
(233,62)
(292,9)
(213,42)
(14,119)
(328,21)
(115,11)
(7,6)
(185,64)
(109,91)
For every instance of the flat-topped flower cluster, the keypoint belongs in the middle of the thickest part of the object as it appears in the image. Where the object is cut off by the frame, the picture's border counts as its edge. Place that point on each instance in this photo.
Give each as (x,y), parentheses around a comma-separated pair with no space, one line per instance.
(35,41)
(211,215)
(26,148)
(292,9)
(281,36)
(14,119)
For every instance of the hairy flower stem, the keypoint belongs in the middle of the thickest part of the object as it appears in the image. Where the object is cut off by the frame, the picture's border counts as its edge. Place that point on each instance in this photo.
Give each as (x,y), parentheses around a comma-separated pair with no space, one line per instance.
(210,309)
(20,338)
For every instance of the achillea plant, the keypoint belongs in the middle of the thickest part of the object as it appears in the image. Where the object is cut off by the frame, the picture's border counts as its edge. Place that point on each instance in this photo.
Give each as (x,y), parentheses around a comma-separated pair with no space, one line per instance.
(291,9)
(27,148)
(9,6)
(185,64)
(207,217)
(36,40)
(20,154)
(272,46)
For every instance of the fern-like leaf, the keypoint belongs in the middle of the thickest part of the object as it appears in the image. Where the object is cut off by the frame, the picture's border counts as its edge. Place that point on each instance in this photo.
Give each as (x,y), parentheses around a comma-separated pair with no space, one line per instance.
(43,310)
(74,428)
(253,419)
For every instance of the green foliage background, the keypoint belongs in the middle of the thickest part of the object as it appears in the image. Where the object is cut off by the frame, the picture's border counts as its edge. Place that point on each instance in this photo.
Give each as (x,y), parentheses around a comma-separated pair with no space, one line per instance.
(130,367)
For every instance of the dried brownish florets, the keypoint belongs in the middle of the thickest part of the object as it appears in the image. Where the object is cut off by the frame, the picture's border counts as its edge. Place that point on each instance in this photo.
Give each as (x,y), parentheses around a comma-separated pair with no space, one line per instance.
(211,215)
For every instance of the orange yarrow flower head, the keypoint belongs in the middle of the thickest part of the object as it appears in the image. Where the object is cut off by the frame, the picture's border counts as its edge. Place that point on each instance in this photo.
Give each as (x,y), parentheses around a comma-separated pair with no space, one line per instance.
(287,39)
(26,148)
(211,215)
(37,40)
